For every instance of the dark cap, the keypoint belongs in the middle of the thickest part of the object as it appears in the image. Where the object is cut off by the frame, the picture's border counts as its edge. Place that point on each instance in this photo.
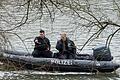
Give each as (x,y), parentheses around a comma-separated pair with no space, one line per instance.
(42,31)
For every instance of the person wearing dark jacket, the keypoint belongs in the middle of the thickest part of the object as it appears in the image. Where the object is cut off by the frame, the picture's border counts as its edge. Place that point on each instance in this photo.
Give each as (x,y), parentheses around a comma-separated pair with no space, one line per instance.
(42,46)
(66,47)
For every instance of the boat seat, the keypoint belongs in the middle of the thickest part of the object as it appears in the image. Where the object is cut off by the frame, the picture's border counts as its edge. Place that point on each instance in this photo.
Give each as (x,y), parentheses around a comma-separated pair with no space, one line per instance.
(84,57)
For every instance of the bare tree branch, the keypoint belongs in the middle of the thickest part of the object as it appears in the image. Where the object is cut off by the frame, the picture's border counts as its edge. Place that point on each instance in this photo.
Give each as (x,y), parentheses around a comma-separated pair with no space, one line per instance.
(21,23)
(110,37)
(93,36)
(56,6)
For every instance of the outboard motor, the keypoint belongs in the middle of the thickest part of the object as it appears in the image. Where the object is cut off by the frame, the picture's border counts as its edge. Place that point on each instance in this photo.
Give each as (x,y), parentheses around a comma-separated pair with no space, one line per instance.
(102,54)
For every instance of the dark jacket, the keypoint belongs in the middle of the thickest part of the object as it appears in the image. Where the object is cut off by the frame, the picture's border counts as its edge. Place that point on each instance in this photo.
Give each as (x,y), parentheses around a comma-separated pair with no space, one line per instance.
(69,46)
(42,44)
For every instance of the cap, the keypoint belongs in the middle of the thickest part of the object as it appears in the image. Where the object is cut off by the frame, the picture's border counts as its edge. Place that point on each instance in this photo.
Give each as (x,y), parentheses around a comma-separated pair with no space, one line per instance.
(42,31)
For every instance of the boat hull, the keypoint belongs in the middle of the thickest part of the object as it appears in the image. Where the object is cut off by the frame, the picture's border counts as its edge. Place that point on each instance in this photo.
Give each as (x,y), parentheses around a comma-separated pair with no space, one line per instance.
(54,64)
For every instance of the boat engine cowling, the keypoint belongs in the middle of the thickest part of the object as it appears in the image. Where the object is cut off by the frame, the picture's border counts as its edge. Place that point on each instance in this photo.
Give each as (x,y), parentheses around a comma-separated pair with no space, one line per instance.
(102,54)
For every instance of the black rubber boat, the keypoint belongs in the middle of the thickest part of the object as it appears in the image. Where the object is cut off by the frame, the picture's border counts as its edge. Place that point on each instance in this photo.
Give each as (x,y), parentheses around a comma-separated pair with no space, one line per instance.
(80,64)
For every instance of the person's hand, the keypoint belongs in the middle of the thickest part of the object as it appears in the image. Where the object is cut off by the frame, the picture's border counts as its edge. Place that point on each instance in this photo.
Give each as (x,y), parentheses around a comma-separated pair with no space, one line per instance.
(48,48)
(63,38)
(36,41)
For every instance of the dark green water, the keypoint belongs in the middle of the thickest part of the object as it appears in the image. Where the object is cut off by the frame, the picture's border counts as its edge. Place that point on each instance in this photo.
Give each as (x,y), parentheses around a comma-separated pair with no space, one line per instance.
(24,75)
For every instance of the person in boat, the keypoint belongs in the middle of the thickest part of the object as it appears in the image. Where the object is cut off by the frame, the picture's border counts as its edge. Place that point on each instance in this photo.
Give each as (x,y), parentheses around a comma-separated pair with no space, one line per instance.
(66,47)
(42,46)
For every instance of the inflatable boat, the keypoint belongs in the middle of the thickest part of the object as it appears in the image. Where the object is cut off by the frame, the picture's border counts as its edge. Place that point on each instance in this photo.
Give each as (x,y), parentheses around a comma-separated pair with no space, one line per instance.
(81,63)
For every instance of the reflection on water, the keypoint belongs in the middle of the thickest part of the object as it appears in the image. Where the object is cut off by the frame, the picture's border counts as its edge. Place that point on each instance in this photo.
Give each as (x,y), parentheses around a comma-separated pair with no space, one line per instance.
(25,75)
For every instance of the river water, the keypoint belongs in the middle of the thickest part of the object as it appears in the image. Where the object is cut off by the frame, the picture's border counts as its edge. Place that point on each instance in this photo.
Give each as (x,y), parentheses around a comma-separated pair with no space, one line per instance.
(75,30)
(35,75)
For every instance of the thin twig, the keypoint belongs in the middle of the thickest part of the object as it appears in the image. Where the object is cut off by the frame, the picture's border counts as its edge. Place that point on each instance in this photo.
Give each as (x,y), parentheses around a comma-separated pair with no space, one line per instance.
(21,20)
(110,37)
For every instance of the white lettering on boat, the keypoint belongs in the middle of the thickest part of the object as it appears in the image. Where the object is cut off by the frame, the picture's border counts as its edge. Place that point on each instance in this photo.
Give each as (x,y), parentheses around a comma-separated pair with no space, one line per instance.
(63,62)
